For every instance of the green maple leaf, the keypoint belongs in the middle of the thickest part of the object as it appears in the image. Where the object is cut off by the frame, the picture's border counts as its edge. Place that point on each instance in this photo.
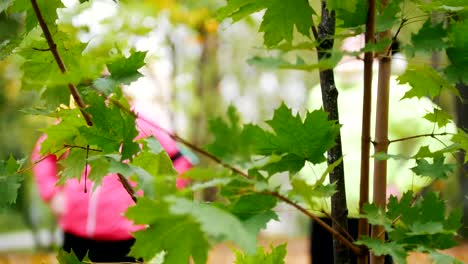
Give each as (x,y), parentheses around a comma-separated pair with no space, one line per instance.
(422,223)
(10,31)
(255,211)
(48,10)
(380,248)
(63,257)
(73,164)
(440,117)
(300,64)
(7,46)
(281,17)
(65,132)
(161,177)
(5,4)
(179,236)
(206,173)
(387,156)
(430,37)
(241,141)
(318,190)
(294,140)
(238,9)
(276,256)
(40,69)
(147,211)
(10,181)
(113,129)
(213,221)
(388,17)
(457,52)
(432,208)
(54,96)
(309,139)
(426,228)
(351,18)
(289,162)
(401,208)
(457,69)
(461,138)
(436,170)
(440,258)
(377,216)
(338,5)
(125,70)
(379,46)
(100,166)
(424,81)
(425,152)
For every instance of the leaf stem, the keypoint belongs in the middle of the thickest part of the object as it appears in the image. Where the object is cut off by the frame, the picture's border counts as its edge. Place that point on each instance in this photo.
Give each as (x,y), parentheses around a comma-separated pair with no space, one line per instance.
(419,136)
(53,49)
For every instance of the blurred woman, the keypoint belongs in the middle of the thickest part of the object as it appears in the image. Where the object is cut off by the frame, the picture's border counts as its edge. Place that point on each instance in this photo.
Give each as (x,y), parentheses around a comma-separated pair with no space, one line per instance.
(93,222)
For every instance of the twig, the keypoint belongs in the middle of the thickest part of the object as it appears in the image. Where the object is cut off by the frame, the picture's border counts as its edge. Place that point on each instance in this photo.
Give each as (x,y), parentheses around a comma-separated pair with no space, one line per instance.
(59,61)
(315,32)
(127,186)
(403,21)
(357,250)
(416,196)
(419,136)
(38,49)
(37,161)
(80,147)
(86,170)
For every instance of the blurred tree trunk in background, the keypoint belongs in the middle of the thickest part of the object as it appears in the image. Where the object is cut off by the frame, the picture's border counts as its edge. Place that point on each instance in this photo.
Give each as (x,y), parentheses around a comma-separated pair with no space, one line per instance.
(206,93)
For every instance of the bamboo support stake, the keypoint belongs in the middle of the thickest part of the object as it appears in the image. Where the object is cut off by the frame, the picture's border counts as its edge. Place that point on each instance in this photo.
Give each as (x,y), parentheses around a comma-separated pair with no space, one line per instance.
(366,127)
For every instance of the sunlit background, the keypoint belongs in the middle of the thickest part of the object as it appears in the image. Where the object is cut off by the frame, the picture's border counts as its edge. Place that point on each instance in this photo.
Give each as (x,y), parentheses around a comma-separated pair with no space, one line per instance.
(196,67)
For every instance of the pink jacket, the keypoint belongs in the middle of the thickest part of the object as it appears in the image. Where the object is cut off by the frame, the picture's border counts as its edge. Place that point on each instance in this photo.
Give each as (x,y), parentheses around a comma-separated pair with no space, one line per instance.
(97,214)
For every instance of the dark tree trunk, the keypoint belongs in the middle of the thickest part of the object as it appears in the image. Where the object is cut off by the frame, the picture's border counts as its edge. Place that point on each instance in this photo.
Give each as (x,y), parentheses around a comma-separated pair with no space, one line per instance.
(462,122)
(339,208)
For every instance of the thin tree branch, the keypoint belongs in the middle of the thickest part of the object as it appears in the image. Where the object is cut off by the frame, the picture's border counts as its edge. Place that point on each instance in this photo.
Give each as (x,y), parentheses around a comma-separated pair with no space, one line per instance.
(23,170)
(344,231)
(59,61)
(433,135)
(357,250)
(181,140)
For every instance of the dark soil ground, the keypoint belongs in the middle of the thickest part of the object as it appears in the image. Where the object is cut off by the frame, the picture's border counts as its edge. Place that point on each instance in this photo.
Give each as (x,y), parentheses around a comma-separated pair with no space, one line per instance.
(222,254)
